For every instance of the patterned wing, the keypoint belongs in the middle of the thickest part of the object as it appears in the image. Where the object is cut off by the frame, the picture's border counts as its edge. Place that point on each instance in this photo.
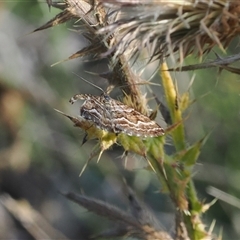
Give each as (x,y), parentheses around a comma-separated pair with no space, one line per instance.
(94,110)
(113,116)
(132,122)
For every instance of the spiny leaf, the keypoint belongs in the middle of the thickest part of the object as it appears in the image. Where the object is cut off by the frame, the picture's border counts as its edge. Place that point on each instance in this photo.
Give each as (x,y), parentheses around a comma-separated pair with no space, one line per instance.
(60,18)
(190,155)
(103,209)
(172,102)
(93,49)
(132,143)
(139,223)
(168,27)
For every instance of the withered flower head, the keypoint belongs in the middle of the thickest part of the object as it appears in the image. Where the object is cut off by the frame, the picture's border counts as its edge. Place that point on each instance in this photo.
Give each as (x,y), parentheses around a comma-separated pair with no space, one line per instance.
(166,27)
(161,28)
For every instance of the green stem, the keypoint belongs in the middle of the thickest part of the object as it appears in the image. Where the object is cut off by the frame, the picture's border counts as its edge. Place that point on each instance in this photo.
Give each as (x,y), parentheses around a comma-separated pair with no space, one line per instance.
(172,103)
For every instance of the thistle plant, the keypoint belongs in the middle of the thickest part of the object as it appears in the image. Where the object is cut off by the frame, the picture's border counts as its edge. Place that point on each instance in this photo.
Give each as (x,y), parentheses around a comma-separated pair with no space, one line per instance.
(123,32)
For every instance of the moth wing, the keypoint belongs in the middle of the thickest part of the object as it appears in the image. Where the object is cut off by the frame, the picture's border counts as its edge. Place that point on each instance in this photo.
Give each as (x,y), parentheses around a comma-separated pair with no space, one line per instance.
(94,110)
(133,123)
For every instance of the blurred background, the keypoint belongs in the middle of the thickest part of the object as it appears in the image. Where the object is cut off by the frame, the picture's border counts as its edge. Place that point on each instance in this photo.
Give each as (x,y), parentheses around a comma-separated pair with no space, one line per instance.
(41,153)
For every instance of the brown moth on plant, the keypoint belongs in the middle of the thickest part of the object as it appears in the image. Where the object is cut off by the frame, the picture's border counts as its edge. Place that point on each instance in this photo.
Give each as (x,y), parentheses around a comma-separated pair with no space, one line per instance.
(114,116)
(111,121)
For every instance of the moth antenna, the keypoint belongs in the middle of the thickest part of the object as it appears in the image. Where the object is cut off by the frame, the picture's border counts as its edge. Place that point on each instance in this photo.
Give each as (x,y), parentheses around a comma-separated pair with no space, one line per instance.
(107,74)
(92,84)
(111,87)
(141,83)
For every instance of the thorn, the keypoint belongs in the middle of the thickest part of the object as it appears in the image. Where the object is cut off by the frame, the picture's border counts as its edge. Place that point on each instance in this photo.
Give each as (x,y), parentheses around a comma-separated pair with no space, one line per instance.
(150,164)
(164,172)
(217,56)
(61,61)
(93,154)
(84,167)
(60,112)
(49,3)
(125,155)
(99,156)
(84,139)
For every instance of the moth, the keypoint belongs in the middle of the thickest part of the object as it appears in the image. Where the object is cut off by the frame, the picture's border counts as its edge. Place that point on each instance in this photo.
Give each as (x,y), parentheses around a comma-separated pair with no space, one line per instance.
(114,116)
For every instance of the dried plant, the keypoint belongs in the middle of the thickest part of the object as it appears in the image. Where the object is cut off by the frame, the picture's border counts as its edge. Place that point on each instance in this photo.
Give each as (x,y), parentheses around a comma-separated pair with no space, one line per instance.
(123,31)
(139,222)
(162,27)
(166,27)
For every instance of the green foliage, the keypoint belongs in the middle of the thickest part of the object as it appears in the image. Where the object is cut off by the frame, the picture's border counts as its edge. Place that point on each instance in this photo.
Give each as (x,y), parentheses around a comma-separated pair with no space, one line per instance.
(41,153)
